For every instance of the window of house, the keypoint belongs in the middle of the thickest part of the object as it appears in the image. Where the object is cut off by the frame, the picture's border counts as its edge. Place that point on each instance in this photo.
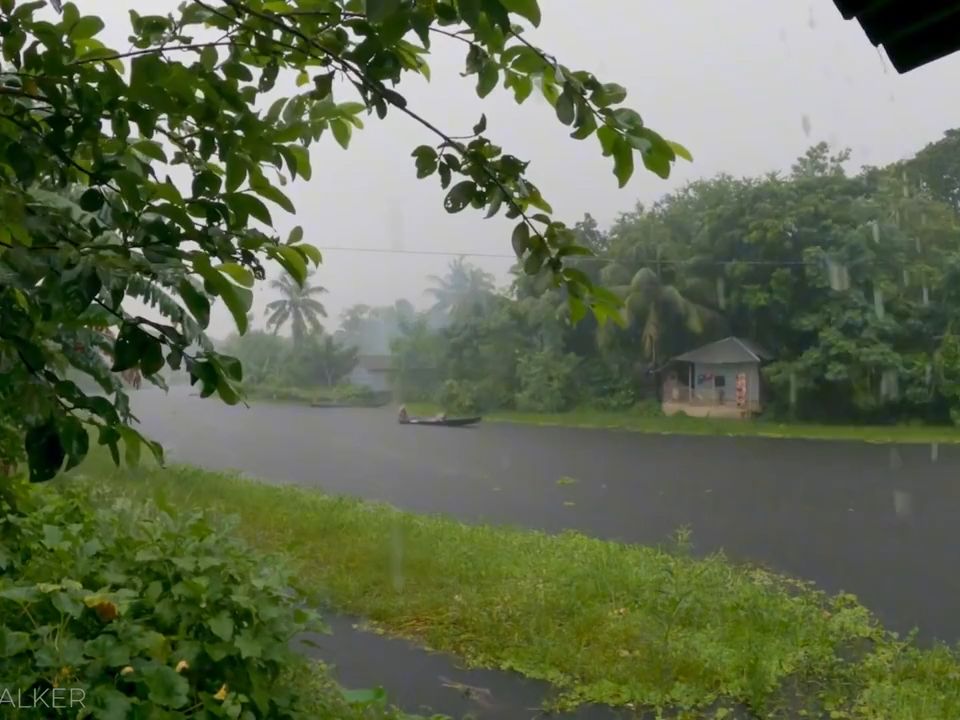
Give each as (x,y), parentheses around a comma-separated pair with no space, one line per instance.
(720,381)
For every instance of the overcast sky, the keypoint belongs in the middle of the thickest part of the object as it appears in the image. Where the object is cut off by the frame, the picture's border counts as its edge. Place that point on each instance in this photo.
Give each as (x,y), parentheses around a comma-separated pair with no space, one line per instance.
(732,81)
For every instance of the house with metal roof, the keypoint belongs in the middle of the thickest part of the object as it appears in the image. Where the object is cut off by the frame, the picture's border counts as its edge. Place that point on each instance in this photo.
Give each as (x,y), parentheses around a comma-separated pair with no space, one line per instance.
(721,379)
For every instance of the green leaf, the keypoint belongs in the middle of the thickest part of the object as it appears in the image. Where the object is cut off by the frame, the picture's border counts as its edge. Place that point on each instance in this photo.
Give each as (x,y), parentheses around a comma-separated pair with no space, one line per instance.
(22,163)
(196,302)
(236,171)
(45,452)
(132,443)
(209,57)
(520,238)
(578,310)
(91,200)
(380,10)
(608,138)
(238,301)
(566,112)
(469,11)
(487,79)
(293,262)
(296,235)
(309,252)
(426,161)
(222,626)
(86,27)
(151,357)
(245,205)
(128,347)
(529,9)
(609,94)
(460,196)
(166,687)
(480,126)
(341,132)
(680,150)
(622,161)
(275,195)
(151,149)
(76,441)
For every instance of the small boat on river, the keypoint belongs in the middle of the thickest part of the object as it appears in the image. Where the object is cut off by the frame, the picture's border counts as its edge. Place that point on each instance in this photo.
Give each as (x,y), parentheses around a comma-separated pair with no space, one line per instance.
(440,420)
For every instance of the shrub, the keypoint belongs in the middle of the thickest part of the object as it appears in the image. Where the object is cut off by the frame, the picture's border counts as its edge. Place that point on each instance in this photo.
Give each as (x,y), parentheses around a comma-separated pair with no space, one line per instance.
(147,612)
(460,396)
(546,381)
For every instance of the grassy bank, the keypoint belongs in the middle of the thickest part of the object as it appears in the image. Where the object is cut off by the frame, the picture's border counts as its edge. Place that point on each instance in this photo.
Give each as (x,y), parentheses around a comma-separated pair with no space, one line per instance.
(682,425)
(341,395)
(604,622)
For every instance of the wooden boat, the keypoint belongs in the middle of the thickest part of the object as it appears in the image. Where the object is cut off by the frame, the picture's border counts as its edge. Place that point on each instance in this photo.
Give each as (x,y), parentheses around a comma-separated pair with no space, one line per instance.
(446,422)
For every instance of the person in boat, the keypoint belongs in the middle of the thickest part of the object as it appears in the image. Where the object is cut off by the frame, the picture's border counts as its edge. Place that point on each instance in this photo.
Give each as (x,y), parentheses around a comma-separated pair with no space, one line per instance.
(404,417)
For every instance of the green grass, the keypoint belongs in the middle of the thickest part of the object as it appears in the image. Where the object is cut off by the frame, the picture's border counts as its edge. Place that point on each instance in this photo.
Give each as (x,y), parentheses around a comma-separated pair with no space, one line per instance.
(644,422)
(351,395)
(604,622)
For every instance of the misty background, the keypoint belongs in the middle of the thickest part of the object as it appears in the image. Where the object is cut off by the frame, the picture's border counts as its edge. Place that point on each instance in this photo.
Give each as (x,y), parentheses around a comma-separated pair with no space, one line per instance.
(746,85)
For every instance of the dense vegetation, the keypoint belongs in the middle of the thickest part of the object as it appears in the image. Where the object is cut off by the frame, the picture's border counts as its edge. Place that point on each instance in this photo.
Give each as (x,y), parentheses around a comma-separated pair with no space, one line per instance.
(853,281)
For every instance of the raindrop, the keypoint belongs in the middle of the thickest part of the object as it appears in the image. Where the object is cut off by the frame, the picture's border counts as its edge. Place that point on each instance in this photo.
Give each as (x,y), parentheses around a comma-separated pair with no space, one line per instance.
(934,451)
(928,374)
(889,385)
(875,226)
(805,123)
(793,388)
(721,293)
(902,503)
(895,462)
(906,278)
(919,246)
(783,35)
(878,303)
(811,19)
(923,219)
(838,275)
(396,557)
(926,295)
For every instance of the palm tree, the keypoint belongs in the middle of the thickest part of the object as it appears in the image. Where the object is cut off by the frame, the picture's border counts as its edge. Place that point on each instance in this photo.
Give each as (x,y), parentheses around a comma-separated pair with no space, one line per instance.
(650,304)
(297,306)
(464,287)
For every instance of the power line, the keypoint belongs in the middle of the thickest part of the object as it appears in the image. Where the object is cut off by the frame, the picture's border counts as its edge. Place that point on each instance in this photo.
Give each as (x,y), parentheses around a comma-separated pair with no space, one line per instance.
(505,256)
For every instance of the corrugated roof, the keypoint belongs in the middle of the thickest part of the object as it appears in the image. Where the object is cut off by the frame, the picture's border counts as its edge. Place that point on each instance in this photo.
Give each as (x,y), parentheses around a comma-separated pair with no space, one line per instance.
(913,32)
(729,351)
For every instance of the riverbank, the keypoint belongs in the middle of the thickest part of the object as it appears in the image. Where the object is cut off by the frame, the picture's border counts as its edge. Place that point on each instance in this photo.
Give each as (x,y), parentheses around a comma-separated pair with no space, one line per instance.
(644,422)
(603,622)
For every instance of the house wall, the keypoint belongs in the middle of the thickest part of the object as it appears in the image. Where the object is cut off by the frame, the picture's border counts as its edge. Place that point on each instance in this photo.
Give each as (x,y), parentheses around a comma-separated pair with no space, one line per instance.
(705,389)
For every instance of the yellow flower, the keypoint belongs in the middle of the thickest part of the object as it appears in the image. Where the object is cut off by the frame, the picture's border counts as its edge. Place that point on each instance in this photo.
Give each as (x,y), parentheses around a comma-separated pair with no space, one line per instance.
(221,693)
(182,665)
(127,670)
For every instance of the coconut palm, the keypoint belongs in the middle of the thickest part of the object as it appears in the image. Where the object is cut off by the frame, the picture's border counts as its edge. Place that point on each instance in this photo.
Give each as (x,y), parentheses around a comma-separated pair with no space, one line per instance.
(464,287)
(298,306)
(653,306)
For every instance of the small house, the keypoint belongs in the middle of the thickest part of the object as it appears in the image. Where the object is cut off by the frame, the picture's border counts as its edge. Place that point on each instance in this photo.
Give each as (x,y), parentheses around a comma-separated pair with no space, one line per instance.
(721,379)
(372,371)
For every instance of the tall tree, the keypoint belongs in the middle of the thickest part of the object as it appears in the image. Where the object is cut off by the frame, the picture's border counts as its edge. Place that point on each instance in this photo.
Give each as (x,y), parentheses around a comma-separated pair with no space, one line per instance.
(297,306)
(464,289)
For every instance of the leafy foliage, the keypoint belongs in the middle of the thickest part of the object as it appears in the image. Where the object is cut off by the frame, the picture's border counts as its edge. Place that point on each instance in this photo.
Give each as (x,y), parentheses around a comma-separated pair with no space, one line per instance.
(853,282)
(161,166)
(145,611)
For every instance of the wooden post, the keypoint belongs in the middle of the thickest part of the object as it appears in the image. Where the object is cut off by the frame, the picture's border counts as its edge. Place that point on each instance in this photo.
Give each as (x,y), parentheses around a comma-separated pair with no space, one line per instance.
(690,394)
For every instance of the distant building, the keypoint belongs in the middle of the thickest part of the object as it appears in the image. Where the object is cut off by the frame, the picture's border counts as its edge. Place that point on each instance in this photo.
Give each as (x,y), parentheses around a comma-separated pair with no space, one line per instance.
(721,379)
(372,371)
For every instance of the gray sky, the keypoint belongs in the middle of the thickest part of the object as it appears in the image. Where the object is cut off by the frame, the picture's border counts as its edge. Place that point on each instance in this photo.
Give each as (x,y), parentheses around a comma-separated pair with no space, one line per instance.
(732,81)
